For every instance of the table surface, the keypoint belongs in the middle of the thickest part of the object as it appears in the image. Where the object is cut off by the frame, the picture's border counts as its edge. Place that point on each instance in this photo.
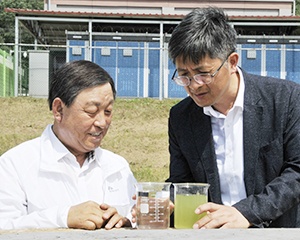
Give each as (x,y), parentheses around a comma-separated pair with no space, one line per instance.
(128,234)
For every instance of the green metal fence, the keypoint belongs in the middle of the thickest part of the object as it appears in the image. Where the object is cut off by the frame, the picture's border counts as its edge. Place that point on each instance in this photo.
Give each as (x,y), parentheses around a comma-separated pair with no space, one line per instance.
(6,74)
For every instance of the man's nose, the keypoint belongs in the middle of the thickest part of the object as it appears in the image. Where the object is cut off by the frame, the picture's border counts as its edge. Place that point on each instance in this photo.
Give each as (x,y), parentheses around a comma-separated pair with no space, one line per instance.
(194,84)
(101,120)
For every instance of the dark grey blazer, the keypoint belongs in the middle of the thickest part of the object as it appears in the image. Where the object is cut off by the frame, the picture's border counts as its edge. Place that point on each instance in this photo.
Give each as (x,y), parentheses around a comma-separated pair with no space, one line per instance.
(271,151)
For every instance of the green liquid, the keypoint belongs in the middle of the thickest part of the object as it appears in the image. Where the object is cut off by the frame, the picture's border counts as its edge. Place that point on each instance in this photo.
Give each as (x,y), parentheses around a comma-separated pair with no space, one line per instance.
(184,211)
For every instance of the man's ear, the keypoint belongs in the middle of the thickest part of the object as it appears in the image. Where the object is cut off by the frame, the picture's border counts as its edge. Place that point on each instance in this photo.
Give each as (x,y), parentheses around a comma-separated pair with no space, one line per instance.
(233,61)
(57,109)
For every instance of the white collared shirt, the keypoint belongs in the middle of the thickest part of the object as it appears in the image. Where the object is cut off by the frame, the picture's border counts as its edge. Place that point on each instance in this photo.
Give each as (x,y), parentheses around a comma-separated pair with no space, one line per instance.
(41,180)
(228,142)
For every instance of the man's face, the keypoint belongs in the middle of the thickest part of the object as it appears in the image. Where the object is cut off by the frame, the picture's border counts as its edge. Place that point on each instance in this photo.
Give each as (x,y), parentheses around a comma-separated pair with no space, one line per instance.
(206,94)
(83,125)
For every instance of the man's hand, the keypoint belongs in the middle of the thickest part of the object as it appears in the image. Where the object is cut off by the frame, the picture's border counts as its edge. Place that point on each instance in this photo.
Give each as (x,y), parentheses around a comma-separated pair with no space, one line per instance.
(220,216)
(90,215)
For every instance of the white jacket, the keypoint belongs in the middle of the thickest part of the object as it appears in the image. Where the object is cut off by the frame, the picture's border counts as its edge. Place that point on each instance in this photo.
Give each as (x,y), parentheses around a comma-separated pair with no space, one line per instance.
(41,180)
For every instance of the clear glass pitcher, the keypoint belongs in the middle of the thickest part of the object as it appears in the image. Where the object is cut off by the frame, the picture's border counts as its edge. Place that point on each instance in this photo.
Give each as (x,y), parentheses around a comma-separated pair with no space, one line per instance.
(153,205)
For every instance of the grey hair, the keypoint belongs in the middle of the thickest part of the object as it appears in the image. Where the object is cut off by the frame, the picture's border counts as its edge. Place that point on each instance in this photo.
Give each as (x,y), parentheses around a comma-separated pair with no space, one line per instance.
(203,32)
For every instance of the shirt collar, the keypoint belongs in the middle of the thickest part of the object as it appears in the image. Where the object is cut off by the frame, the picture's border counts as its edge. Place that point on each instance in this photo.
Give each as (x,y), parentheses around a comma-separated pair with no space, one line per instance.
(53,151)
(57,145)
(238,103)
(59,150)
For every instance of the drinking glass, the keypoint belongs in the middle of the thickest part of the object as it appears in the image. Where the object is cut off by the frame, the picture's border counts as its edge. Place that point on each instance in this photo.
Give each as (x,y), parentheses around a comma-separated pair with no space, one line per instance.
(153,205)
(188,196)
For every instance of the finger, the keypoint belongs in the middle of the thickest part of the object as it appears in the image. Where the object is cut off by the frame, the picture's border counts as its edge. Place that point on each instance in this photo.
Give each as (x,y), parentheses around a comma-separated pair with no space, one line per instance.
(213,220)
(133,211)
(203,221)
(171,205)
(97,219)
(123,222)
(104,206)
(225,226)
(207,207)
(134,197)
(119,224)
(133,214)
(84,216)
(113,221)
(111,211)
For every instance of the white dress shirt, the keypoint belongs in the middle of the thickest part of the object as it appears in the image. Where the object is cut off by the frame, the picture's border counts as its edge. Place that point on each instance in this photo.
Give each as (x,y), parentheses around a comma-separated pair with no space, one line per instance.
(41,180)
(228,142)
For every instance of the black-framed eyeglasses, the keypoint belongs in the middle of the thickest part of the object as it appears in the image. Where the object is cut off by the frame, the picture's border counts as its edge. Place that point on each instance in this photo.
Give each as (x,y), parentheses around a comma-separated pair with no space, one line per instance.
(201,78)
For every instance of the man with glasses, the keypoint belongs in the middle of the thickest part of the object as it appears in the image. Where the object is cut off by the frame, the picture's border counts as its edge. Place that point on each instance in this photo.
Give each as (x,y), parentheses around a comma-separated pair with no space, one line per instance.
(236,131)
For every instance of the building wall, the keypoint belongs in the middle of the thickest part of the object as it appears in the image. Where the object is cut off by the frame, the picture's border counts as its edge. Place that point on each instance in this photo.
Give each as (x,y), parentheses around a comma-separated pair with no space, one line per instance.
(137,67)
(232,7)
(134,66)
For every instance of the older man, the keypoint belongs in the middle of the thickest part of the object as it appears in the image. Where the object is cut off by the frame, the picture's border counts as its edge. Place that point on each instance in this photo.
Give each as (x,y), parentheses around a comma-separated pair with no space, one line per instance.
(63,178)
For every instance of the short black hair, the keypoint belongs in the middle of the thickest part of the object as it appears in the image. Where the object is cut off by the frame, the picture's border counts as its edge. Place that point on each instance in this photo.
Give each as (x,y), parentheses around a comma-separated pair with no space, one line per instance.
(203,32)
(75,76)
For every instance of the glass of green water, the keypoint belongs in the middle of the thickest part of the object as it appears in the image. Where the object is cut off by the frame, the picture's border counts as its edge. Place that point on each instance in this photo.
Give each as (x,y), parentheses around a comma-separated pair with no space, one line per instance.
(188,196)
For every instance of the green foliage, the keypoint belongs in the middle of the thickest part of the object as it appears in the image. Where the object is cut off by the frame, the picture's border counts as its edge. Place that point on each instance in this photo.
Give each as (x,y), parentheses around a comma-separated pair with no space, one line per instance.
(298,7)
(7,20)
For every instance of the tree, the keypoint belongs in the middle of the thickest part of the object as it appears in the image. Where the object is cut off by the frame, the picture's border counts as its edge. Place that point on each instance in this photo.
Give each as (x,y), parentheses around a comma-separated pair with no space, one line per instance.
(298,7)
(7,29)
(7,20)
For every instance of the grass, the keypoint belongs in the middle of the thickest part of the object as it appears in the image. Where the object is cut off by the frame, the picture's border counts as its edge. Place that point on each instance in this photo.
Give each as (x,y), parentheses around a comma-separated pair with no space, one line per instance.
(139,131)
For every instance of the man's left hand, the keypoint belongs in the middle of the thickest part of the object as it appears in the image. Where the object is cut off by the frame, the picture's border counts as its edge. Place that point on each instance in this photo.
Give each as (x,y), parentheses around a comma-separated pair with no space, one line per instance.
(112,218)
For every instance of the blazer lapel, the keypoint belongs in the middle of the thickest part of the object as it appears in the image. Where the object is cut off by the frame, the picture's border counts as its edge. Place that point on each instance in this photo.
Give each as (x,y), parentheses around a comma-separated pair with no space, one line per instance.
(252,121)
(202,133)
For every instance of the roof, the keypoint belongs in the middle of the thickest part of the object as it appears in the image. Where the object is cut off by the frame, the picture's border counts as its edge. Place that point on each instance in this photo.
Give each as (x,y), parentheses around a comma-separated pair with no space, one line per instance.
(50,27)
(34,12)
